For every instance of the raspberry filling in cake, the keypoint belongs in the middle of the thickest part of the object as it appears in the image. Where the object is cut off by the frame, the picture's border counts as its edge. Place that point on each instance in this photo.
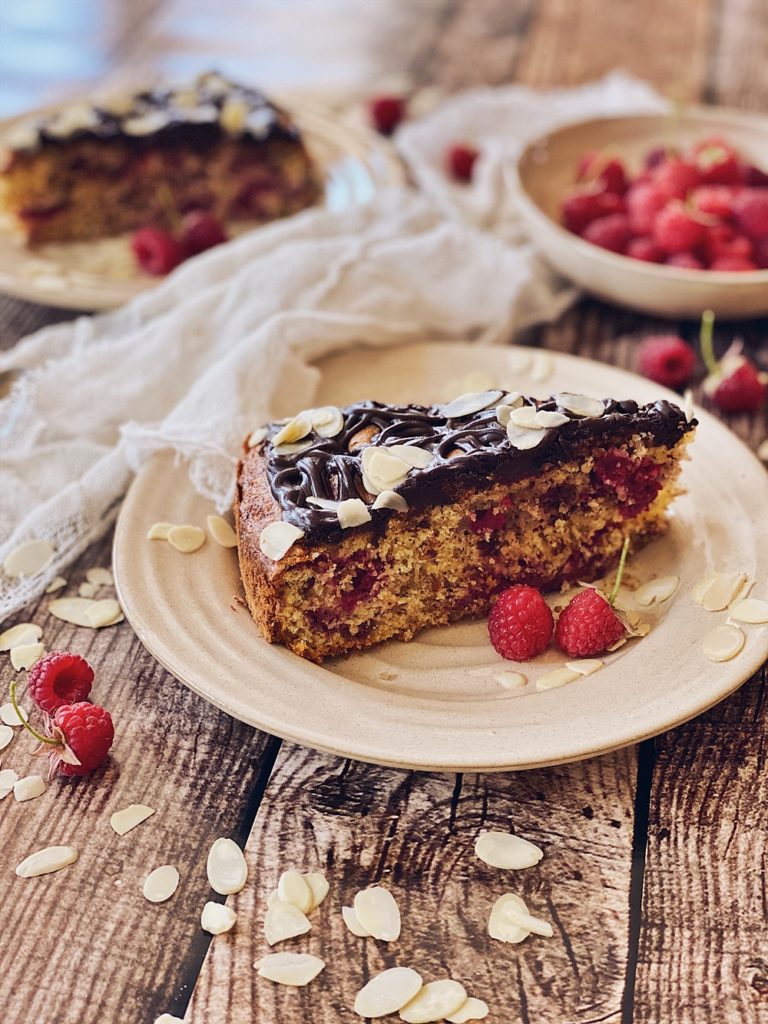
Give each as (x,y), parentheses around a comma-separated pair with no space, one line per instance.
(399,517)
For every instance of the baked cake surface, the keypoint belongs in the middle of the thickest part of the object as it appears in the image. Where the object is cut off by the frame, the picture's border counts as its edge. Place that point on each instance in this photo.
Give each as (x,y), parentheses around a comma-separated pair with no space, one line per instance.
(366,523)
(88,171)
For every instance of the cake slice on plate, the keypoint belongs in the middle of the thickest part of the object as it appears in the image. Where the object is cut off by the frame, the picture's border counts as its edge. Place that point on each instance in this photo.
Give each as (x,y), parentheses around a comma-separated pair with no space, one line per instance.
(92,170)
(368,523)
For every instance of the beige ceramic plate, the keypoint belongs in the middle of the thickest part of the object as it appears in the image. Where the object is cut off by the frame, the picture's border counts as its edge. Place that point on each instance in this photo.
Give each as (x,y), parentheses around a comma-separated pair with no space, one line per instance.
(435,703)
(546,171)
(354,163)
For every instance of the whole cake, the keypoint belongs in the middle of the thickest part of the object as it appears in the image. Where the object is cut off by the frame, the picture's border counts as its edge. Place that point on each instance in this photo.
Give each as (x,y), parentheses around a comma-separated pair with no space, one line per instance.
(367,523)
(89,171)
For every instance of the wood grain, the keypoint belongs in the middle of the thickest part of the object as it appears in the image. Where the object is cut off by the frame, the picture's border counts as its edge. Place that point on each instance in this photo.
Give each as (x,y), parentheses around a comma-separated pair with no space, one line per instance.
(415,833)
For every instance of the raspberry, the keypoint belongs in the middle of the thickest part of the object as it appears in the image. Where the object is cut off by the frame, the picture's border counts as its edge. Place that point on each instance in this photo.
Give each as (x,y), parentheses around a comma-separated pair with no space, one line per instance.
(722,240)
(740,391)
(675,178)
(88,732)
(460,161)
(589,625)
(643,204)
(686,260)
(520,624)
(717,162)
(666,359)
(156,251)
(754,176)
(716,200)
(676,230)
(732,263)
(750,208)
(603,170)
(581,208)
(59,678)
(644,248)
(611,233)
(200,231)
(655,156)
(761,253)
(386,113)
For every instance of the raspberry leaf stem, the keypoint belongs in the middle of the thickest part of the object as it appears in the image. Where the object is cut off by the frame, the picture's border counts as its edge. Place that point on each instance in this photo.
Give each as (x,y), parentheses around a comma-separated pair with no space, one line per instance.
(619,572)
(705,338)
(40,738)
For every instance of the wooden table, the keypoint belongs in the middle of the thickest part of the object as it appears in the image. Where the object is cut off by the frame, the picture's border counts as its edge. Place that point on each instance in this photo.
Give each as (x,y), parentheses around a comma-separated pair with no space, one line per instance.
(655,868)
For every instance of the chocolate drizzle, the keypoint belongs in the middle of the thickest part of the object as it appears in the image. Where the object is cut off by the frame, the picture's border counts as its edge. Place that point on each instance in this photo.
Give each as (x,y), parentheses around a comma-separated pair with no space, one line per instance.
(466,451)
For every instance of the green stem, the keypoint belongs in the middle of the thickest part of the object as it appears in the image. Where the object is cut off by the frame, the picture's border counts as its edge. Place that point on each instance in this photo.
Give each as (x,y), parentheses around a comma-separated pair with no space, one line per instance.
(27,726)
(705,337)
(619,571)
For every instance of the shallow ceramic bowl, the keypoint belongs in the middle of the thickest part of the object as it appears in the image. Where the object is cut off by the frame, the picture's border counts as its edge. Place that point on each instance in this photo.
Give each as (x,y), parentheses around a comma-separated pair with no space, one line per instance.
(546,172)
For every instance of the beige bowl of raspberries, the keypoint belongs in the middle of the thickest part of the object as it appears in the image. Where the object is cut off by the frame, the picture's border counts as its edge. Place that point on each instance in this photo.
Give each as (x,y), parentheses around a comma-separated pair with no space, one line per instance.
(667,214)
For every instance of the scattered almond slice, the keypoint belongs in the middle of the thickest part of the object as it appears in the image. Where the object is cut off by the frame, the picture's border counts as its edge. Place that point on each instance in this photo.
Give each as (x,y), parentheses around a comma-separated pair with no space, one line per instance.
(557,677)
(723,643)
(226,867)
(378,913)
(6,735)
(129,817)
(318,885)
(104,613)
(524,416)
(585,666)
(186,539)
(511,922)
(472,1009)
(656,591)
(273,898)
(161,884)
(382,470)
(8,715)
(469,404)
(293,888)
(217,918)
(388,992)
(523,439)
(168,1018)
(257,437)
(751,610)
(44,862)
(547,419)
(26,655)
(72,609)
(57,583)
(159,531)
(221,531)
(580,405)
(719,590)
(391,499)
(87,589)
(8,779)
(506,851)
(328,421)
(510,680)
(435,1001)
(352,923)
(352,512)
(295,969)
(100,576)
(28,558)
(284,921)
(295,429)
(23,633)
(277,538)
(29,788)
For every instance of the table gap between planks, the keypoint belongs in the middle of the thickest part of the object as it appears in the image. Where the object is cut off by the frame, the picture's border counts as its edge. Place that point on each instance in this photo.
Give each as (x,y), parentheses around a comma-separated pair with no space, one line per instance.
(654,869)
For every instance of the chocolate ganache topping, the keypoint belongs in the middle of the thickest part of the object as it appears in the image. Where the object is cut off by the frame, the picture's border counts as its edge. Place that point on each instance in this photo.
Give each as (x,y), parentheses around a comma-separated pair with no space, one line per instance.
(454,450)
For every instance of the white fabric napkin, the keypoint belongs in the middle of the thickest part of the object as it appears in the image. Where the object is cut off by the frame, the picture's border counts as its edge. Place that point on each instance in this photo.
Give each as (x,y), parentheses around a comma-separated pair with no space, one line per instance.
(228,340)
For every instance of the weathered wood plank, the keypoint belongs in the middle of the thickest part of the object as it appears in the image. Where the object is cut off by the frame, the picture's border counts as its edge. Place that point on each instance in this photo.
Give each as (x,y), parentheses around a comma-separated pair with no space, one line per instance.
(415,833)
(737,66)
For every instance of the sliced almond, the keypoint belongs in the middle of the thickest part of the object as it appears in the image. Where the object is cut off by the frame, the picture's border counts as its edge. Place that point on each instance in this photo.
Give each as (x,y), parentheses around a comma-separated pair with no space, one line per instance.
(327,504)
(328,421)
(411,454)
(518,912)
(161,884)
(523,439)
(318,886)
(472,1009)
(723,643)
(294,430)
(45,862)
(284,921)
(391,499)
(352,923)
(585,666)
(382,469)
(9,717)
(168,1018)
(278,538)
(104,613)
(23,633)
(129,817)
(8,778)
(257,437)
(377,912)
(656,591)
(87,589)
(750,610)
(293,449)
(26,655)
(548,419)
(469,404)
(221,531)
(511,922)
(352,512)
(217,918)
(718,590)
(506,851)
(514,400)
(159,531)
(435,1001)
(525,416)
(28,558)
(557,677)
(100,576)
(295,969)
(510,680)
(293,888)
(57,583)
(6,735)
(72,609)
(186,538)
(227,867)
(388,992)
(580,405)
(29,788)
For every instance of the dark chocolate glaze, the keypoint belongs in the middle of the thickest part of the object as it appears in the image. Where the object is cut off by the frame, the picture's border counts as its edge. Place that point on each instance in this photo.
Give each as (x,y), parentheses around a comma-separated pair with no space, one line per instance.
(467,450)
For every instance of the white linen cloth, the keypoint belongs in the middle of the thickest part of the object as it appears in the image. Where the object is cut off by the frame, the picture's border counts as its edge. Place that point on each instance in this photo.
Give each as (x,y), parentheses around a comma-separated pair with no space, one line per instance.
(199,361)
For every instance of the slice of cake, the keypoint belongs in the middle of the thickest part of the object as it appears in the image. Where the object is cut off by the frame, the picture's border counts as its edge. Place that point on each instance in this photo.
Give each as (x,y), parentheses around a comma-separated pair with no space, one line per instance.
(362,524)
(89,171)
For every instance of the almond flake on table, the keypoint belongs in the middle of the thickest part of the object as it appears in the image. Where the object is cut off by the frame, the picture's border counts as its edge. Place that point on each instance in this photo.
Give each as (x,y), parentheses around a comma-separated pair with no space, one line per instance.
(129,817)
(506,851)
(217,918)
(585,666)
(221,531)
(23,633)
(656,591)
(510,680)
(57,583)
(106,612)
(29,788)
(717,591)
(159,531)
(284,921)
(723,643)
(352,923)
(226,867)
(45,862)
(168,1018)
(28,558)
(377,912)
(24,656)
(318,886)
(8,715)
(161,884)
(751,610)
(472,1009)
(72,609)
(557,677)
(8,779)
(186,538)
(6,735)
(510,920)
(293,888)
(436,1001)
(388,992)
(87,589)
(100,576)
(295,969)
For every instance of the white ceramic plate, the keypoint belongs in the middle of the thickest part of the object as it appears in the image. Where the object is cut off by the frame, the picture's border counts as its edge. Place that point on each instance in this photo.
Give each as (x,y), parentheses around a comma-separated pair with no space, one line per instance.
(435,703)
(546,171)
(354,163)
